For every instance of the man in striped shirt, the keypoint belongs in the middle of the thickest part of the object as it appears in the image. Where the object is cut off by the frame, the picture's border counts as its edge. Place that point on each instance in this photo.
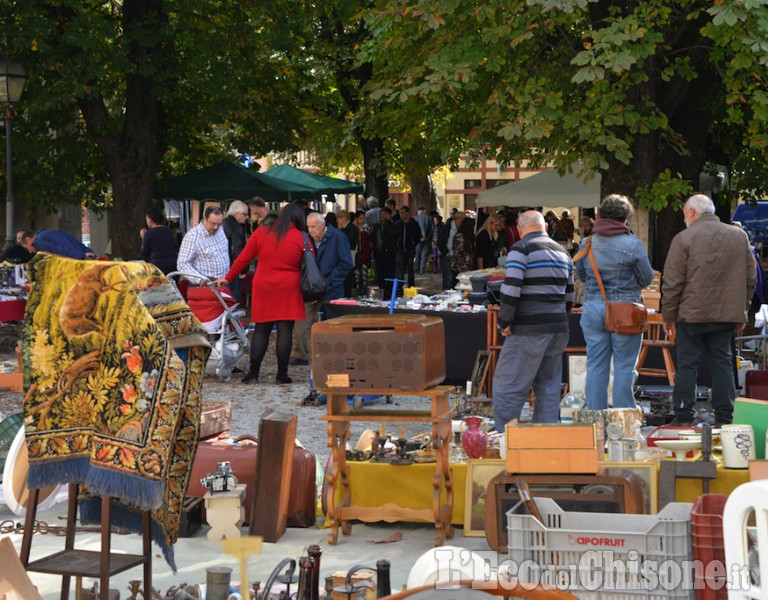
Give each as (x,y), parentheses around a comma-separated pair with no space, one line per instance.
(536,298)
(204,250)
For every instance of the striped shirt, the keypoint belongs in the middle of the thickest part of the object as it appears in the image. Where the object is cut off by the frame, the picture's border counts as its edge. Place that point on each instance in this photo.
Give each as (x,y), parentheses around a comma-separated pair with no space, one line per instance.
(537,292)
(204,254)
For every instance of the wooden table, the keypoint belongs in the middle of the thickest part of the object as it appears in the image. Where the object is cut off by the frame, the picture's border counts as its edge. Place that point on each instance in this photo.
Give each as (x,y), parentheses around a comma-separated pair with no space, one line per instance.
(340,415)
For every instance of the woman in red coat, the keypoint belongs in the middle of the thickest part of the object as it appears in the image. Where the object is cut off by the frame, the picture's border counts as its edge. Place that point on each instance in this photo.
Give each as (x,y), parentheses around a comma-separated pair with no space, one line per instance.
(276,296)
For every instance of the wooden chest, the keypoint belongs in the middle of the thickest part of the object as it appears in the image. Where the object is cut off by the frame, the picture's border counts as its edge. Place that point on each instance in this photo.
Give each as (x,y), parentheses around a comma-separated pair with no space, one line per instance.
(378,352)
(554,448)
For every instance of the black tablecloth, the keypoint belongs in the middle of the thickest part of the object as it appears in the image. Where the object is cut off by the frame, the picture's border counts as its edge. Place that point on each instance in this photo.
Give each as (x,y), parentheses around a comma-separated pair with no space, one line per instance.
(465,335)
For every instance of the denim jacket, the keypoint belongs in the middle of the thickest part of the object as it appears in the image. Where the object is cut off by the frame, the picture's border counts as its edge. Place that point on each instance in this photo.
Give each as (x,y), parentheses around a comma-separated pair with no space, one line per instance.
(624,268)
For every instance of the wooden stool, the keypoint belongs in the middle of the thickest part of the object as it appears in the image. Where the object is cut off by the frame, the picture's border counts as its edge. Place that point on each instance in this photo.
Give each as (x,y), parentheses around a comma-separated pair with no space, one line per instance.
(656,337)
(87,563)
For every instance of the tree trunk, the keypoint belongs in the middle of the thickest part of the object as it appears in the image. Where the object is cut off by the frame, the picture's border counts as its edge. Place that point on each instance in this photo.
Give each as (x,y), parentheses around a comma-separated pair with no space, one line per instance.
(133,141)
(376,182)
(423,192)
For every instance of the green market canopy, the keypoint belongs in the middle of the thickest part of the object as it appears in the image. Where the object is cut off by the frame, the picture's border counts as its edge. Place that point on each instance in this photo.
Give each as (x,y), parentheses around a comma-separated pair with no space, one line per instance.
(230,181)
(323,184)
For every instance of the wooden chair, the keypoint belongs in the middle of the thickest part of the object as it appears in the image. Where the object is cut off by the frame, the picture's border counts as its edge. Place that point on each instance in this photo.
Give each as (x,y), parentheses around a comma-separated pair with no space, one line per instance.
(510,590)
(656,337)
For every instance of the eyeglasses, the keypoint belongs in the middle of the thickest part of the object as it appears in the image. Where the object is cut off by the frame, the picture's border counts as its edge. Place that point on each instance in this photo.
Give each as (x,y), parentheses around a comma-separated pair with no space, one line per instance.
(246,214)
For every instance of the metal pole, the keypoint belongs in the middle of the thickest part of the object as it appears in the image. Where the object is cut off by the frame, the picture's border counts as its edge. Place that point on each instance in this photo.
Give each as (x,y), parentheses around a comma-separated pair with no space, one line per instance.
(10,238)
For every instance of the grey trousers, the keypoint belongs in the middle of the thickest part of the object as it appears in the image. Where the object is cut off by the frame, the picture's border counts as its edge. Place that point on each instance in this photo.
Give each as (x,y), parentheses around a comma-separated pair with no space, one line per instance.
(527,361)
(302,348)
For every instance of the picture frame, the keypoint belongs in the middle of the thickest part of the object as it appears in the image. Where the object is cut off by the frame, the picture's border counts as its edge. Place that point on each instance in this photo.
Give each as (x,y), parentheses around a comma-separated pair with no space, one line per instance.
(480,471)
(577,375)
(648,471)
(480,372)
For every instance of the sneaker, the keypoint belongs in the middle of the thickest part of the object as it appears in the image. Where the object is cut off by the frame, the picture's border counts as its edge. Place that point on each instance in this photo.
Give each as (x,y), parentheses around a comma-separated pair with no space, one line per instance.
(679,423)
(298,361)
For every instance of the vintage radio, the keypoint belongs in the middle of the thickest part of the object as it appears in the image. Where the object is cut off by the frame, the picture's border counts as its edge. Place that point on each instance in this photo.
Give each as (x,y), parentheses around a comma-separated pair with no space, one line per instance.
(378,352)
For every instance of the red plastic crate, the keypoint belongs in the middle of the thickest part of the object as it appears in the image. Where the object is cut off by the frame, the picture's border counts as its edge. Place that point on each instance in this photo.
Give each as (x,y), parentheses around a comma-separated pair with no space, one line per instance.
(707,541)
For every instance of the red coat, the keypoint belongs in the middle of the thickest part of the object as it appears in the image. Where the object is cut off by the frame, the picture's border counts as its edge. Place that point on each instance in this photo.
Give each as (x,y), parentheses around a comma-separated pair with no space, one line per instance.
(275,295)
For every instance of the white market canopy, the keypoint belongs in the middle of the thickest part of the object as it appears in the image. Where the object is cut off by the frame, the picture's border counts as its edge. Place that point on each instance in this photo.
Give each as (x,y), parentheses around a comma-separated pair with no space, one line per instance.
(546,188)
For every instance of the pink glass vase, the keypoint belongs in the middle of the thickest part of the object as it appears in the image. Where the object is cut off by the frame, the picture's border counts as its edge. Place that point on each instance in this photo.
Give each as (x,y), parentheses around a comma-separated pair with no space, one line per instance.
(474,439)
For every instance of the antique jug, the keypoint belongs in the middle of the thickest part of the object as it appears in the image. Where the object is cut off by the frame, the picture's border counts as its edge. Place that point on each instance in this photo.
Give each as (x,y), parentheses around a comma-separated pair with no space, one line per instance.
(475,436)
(738,446)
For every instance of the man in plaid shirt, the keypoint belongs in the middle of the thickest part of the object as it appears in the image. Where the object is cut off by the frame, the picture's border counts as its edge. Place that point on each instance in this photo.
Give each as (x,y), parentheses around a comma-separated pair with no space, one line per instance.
(204,250)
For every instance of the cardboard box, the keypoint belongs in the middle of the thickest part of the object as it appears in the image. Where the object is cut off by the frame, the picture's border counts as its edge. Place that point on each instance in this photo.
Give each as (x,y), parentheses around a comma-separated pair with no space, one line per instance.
(554,448)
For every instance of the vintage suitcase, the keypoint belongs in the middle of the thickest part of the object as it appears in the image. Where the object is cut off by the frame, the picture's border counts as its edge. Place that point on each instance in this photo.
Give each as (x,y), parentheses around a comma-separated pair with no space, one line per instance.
(301,511)
(302,502)
(554,448)
(215,418)
(378,352)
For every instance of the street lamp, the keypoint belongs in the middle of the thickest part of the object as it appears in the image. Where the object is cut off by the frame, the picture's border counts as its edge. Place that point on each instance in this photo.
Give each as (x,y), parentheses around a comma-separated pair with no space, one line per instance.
(12,79)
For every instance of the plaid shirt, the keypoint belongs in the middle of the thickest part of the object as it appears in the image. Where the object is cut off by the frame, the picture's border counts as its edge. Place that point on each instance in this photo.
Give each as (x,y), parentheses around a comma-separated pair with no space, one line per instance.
(204,254)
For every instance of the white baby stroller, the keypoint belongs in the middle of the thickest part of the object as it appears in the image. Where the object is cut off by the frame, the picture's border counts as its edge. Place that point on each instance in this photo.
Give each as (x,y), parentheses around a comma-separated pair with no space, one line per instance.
(221,316)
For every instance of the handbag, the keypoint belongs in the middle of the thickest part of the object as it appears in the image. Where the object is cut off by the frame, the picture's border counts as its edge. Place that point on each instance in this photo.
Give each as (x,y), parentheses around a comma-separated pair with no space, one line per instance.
(625,318)
(311,281)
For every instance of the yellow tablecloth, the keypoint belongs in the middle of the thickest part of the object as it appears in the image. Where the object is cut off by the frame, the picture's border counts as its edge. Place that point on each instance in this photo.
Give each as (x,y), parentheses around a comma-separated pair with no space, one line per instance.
(373,484)
(687,490)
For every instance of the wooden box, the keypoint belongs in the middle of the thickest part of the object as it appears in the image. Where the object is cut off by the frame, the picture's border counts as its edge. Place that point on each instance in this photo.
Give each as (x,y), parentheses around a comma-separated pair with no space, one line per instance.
(13,381)
(358,577)
(554,448)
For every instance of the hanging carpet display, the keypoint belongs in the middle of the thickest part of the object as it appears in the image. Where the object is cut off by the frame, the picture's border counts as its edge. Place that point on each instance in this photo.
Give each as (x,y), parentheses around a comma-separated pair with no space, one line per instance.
(113,367)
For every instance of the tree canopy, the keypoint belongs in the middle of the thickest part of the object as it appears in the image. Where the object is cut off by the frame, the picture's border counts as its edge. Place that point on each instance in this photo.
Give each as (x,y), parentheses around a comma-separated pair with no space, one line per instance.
(648,92)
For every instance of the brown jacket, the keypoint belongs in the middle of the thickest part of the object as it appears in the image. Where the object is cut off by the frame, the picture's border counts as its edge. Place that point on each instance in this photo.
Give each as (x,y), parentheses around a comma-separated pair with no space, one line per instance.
(709,275)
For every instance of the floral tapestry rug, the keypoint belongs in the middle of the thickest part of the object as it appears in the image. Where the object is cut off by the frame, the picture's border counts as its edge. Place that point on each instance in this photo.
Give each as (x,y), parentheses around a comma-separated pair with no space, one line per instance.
(113,366)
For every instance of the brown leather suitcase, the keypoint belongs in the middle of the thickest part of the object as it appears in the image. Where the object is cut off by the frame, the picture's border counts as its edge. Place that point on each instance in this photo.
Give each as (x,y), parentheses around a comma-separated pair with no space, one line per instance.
(241,456)
(378,352)
(302,502)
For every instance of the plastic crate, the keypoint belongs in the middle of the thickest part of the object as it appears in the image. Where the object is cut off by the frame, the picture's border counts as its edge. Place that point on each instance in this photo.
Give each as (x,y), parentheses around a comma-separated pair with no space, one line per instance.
(708,545)
(585,552)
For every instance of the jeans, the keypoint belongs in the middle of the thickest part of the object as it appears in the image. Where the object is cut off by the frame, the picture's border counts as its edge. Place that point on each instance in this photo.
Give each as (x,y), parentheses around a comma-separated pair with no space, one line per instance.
(601,345)
(691,342)
(527,361)
(423,250)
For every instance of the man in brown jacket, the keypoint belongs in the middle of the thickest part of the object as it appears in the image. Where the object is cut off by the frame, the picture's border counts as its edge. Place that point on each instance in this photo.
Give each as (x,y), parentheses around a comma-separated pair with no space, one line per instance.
(707,285)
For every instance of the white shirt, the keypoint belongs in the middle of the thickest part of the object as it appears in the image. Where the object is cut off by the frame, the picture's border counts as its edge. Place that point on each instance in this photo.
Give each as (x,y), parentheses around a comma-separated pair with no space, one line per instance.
(204,254)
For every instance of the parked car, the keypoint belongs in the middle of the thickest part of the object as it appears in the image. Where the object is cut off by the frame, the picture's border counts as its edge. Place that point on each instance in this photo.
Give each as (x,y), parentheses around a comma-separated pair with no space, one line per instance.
(754,220)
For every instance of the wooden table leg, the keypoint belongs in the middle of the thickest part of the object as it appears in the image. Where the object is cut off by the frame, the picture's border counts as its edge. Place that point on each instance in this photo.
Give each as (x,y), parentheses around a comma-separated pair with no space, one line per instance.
(441,436)
(338,434)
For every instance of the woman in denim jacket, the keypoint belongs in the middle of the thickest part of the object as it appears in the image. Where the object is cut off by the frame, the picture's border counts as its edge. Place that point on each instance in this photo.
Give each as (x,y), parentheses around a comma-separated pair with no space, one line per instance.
(625,270)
